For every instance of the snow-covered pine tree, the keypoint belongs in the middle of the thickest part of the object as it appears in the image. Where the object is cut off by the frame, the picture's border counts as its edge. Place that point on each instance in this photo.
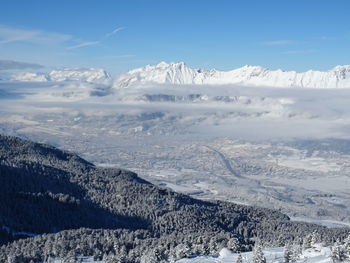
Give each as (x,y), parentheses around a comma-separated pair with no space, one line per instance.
(338,254)
(116,259)
(148,258)
(70,258)
(158,254)
(296,252)
(307,243)
(233,244)
(213,246)
(171,258)
(10,259)
(115,247)
(122,254)
(346,247)
(182,251)
(315,238)
(258,256)
(288,253)
(239,258)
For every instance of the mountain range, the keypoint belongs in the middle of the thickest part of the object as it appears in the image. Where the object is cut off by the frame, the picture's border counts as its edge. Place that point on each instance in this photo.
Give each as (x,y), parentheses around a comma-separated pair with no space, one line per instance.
(181,74)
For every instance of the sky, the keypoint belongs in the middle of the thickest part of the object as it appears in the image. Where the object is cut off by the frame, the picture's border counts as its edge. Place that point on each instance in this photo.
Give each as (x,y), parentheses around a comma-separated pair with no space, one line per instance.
(121,35)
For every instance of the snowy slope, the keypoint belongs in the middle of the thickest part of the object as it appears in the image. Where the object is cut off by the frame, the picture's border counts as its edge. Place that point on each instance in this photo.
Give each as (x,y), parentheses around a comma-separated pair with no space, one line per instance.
(319,254)
(179,73)
(91,75)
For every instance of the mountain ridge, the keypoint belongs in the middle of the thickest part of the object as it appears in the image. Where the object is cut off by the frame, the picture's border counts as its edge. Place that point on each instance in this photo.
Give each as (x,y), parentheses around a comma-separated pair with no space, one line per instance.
(90,75)
(180,73)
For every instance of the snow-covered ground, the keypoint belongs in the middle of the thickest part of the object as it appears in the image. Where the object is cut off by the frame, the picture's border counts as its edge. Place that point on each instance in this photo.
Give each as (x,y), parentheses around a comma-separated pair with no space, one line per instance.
(319,254)
(81,259)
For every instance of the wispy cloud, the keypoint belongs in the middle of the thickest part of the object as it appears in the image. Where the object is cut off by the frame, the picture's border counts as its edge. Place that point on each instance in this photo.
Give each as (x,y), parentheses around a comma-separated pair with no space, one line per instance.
(123,56)
(11,34)
(10,64)
(278,42)
(84,44)
(301,51)
(328,38)
(118,29)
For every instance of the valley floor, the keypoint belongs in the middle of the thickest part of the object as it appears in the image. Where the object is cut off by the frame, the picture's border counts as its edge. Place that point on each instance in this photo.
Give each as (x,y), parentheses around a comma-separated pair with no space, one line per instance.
(253,146)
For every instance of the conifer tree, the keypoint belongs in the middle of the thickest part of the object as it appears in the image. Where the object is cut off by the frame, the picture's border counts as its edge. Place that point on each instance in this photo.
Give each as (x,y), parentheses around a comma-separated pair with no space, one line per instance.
(258,256)
(239,258)
(288,253)
(307,242)
(233,244)
(338,254)
(346,247)
(315,238)
(296,252)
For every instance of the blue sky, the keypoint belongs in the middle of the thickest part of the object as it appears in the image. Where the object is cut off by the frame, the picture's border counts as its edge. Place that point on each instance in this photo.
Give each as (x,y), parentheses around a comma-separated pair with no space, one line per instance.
(121,35)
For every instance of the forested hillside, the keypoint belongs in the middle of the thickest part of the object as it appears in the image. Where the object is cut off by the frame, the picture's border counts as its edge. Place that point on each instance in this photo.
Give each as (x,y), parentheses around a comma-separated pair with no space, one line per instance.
(59,205)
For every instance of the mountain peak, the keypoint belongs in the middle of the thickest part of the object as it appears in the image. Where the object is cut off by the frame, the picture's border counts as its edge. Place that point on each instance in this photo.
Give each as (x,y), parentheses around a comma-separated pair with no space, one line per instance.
(340,67)
(252,67)
(164,65)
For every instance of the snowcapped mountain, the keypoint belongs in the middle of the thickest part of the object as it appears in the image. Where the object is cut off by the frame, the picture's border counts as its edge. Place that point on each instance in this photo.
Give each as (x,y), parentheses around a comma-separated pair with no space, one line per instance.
(29,77)
(179,73)
(90,75)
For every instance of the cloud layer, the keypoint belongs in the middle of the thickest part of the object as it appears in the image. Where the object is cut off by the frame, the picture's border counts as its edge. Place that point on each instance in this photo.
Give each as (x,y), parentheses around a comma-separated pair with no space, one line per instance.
(16,65)
(11,34)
